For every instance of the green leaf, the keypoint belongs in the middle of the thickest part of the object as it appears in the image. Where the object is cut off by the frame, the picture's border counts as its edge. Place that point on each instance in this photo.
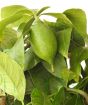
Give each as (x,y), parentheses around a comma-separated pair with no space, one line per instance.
(27,26)
(77,51)
(23,15)
(52,25)
(63,41)
(41,10)
(21,27)
(78,18)
(39,98)
(17,51)
(59,97)
(60,68)
(74,60)
(82,83)
(12,79)
(40,78)
(78,54)
(63,28)
(75,100)
(26,16)
(8,38)
(77,38)
(8,11)
(62,22)
(73,76)
(8,21)
(30,21)
(31,60)
(58,16)
(83,55)
(29,83)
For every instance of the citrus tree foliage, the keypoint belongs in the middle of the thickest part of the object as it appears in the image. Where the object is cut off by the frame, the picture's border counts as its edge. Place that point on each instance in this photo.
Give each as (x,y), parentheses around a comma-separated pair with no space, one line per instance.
(34,55)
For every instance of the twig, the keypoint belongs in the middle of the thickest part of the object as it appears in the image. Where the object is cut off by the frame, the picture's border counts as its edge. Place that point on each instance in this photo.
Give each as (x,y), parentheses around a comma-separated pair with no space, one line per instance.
(82,93)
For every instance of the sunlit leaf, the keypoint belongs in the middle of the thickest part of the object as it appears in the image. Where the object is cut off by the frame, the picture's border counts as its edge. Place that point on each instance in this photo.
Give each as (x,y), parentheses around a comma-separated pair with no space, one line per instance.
(62,22)
(63,40)
(78,18)
(8,21)
(27,26)
(8,11)
(41,10)
(8,38)
(16,13)
(12,80)
(17,52)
